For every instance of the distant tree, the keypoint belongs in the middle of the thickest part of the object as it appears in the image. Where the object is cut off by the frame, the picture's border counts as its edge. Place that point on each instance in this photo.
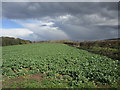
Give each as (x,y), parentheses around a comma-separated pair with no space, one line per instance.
(6,41)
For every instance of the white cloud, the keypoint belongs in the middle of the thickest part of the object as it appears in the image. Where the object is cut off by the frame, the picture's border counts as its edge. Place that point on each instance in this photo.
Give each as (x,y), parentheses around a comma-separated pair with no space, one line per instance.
(74,21)
(47,23)
(15,32)
(70,27)
(65,17)
(44,30)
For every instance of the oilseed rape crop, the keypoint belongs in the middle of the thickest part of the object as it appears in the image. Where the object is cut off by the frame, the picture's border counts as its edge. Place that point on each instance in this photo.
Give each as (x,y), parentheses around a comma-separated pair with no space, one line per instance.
(59,61)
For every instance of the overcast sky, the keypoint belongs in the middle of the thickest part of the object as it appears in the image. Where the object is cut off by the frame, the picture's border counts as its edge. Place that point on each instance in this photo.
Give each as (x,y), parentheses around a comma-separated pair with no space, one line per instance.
(79,21)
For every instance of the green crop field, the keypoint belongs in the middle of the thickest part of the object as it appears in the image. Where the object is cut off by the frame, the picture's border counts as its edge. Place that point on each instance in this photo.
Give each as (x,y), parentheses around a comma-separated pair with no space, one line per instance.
(60,66)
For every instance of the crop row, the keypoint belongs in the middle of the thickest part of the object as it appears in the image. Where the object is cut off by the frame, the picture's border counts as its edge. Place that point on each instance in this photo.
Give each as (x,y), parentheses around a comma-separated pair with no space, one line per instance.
(59,61)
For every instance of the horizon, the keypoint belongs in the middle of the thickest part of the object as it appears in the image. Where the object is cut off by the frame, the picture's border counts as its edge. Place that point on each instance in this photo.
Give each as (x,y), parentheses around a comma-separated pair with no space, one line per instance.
(75,21)
(61,40)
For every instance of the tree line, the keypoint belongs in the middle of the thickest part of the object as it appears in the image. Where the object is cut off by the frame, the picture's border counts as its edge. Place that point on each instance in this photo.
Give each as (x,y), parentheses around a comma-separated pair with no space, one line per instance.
(7,41)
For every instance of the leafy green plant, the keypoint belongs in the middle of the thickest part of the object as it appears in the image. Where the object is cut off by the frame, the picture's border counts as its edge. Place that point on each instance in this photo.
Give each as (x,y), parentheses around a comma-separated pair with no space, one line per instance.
(74,66)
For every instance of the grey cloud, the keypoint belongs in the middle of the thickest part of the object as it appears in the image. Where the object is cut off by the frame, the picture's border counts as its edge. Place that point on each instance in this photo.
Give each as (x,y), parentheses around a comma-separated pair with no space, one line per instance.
(19,10)
(83,23)
(91,32)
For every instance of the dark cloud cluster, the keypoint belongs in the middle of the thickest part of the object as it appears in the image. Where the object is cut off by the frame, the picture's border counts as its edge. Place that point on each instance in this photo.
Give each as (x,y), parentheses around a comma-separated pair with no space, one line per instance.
(78,20)
(26,10)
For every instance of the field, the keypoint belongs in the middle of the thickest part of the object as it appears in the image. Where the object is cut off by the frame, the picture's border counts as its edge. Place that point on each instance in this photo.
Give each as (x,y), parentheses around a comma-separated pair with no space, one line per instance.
(109,48)
(54,65)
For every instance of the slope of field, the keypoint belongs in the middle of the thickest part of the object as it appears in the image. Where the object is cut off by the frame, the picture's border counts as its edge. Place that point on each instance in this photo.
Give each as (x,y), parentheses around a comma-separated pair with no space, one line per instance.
(109,48)
(61,66)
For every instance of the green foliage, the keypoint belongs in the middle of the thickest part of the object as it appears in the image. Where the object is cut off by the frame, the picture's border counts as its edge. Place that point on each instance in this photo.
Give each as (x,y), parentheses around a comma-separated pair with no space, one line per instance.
(109,48)
(61,62)
(105,51)
(7,41)
(103,43)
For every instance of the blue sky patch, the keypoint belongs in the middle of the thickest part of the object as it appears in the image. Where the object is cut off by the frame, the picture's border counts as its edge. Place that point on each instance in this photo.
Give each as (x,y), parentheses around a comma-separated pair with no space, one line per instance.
(6,23)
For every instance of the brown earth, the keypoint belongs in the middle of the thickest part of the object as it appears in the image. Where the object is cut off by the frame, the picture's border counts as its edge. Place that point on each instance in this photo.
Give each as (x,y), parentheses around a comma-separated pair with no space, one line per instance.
(8,82)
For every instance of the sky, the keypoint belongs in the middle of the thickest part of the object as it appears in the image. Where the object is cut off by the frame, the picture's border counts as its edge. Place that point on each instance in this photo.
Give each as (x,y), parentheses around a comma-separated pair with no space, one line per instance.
(78,21)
